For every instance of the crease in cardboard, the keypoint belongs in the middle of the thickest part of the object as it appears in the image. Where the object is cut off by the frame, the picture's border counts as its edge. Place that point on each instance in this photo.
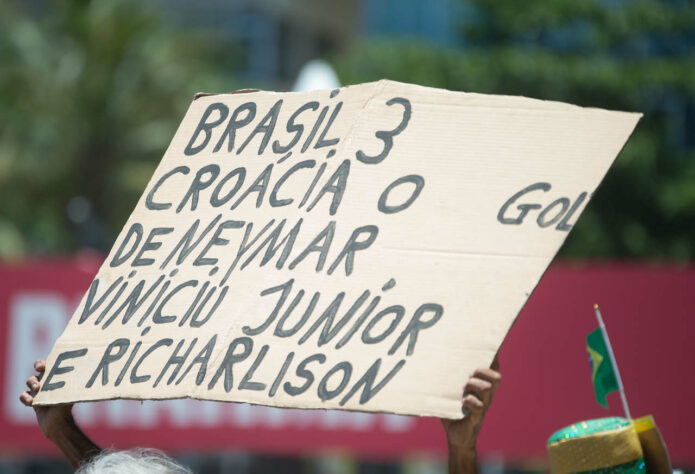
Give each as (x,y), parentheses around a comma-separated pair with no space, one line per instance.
(460,253)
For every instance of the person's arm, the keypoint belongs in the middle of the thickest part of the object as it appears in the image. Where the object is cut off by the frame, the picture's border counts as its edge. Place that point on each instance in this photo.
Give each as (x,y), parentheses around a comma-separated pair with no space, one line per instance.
(58,425)
(462,435)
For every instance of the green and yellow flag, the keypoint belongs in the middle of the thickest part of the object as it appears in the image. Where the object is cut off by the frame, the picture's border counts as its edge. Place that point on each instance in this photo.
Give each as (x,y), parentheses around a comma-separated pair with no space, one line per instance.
(602,373)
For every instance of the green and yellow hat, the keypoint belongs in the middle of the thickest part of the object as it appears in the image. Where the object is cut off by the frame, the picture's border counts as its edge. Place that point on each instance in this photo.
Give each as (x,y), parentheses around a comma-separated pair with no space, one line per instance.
(604,445)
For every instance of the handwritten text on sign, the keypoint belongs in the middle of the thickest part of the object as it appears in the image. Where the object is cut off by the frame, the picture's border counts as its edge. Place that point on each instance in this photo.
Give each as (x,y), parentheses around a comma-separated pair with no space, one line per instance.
(307,250)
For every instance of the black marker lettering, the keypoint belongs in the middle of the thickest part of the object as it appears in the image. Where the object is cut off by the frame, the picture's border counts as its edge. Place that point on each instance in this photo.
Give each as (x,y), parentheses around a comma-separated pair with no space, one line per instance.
(307,375)
(266,127)
(216,240)
(246,382)
(564,223)
(203,179)
(157,206)
(259,186)
(352,246)
(541,220)
(204,126)
(185,246)
(387,137)
(176,360)
(195,322)
(281,375)
(122,345)
(322,142)
(415,179)
(125,368)
(158,318)
(194,304)
(326,235)
(323,392)
(150,245)
(59,369)
(330,330)
(90,306)
(416,324)
(285,288)
(215,199)
(235,123)
(280,331)
(133,302)
(397,310)
(367,381)
(202,359)
(273,199)
(315,129)
(230,358)
(244,246)
(523,208)
(315,181)
(298,129)
(340,177)
(355,327)
(134,377)
(119,258)
(272,245)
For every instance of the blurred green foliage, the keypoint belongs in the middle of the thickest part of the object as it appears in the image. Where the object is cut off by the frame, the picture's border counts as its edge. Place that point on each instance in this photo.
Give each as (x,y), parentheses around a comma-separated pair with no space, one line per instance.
(90,95)
(635,55)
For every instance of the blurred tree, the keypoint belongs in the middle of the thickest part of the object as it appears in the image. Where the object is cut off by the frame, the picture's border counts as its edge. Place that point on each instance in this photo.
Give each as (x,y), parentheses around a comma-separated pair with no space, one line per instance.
(91,93)
(634,55)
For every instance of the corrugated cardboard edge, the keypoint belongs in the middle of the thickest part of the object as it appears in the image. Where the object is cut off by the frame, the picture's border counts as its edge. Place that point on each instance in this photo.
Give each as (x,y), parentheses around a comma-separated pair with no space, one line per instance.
(386,82)
(198,95)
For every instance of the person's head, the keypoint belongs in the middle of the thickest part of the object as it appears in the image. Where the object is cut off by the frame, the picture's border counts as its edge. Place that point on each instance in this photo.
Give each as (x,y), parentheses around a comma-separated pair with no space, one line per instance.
(134,461)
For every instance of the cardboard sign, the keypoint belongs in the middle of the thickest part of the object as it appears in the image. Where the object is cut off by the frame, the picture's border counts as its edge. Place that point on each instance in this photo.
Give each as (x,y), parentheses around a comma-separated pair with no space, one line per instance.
(364,248)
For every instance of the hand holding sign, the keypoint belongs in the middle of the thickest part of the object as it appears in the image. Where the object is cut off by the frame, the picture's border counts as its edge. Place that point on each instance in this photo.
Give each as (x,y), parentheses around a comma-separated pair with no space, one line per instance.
(334,249)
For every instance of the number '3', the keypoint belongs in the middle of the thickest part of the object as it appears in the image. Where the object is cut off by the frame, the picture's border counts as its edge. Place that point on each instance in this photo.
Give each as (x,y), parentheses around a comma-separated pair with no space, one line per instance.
(387,136)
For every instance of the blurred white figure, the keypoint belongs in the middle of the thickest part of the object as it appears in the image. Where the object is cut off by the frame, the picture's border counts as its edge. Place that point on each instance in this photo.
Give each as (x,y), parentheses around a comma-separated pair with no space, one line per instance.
(315,75)
(134,461)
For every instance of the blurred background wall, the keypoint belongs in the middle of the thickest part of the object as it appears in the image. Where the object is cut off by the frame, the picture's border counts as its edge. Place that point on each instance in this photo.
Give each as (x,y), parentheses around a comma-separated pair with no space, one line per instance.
(91,92)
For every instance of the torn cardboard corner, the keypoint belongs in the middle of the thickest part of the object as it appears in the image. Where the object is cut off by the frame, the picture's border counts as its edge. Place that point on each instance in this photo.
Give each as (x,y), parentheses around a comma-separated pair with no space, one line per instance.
(364,248)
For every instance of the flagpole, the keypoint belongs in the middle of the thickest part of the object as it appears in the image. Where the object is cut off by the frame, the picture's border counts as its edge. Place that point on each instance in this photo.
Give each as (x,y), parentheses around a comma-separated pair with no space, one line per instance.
(613,362)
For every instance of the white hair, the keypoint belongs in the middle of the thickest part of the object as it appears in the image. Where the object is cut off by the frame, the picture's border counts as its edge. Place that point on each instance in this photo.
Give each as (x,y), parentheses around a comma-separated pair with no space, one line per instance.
(133,461)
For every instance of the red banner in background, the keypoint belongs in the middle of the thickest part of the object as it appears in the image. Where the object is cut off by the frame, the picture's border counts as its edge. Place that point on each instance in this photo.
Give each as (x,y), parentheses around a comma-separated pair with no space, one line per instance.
(649,312)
